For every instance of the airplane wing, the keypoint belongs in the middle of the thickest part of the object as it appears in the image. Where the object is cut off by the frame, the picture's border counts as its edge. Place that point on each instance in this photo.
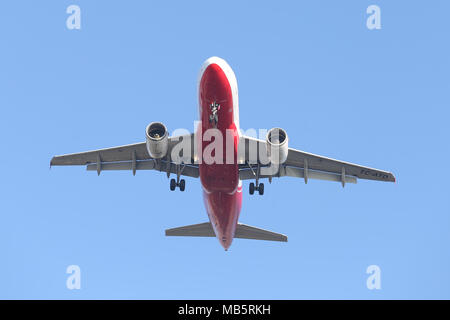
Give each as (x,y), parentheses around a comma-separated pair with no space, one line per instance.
(129,157)
(306,165)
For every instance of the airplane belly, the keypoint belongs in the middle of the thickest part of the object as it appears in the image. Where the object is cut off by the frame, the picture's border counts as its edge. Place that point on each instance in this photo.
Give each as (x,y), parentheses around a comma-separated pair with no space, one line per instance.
(223,211)
(218,168)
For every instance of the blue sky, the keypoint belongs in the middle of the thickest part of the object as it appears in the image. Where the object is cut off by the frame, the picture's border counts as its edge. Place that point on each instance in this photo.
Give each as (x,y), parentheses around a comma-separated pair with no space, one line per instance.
(374,97)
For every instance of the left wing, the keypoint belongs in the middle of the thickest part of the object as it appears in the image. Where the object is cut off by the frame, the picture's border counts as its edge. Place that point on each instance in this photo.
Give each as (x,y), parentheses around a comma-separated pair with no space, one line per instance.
(128,157)
(115,154)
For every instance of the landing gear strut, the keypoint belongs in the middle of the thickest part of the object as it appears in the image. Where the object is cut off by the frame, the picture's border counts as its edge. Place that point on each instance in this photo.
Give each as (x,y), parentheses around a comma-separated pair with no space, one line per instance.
(178,182)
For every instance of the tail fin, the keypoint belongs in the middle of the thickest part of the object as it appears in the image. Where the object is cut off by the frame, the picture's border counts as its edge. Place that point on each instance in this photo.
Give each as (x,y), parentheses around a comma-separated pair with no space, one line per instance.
(243,231)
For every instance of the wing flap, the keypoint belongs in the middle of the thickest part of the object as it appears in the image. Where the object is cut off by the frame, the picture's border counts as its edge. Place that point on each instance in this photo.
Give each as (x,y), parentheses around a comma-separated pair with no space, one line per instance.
(248,174)
(186,170)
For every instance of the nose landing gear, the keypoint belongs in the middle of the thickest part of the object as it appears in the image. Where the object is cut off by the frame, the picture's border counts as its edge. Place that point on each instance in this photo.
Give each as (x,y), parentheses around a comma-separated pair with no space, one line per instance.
(214,117)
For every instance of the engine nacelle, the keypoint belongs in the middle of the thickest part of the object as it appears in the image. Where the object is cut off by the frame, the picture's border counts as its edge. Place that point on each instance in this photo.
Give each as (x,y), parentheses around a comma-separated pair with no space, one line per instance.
(157,138)
(277,145)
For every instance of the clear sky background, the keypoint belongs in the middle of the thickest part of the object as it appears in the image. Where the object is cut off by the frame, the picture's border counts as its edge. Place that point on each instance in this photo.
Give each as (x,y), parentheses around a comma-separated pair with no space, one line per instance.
(375,97)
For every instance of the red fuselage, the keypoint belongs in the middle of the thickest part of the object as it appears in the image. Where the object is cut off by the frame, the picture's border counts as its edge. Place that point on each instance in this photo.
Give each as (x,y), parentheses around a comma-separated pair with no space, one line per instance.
(222,188)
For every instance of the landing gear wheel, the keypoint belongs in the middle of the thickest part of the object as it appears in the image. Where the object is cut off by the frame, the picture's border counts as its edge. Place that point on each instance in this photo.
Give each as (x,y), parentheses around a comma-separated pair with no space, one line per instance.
(182,184)
(173,184)
(261,189)
(251,188)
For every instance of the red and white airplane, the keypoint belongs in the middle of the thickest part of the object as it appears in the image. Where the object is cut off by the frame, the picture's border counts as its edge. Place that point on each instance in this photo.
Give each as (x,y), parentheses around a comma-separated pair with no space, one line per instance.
(222,157)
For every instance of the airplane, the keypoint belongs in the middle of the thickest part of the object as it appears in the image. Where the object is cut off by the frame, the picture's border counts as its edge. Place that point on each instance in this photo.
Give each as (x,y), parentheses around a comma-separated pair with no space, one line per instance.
(222,170)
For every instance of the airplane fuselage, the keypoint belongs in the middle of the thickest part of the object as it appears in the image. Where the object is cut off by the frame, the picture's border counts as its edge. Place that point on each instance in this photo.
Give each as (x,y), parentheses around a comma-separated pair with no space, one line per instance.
(219,111)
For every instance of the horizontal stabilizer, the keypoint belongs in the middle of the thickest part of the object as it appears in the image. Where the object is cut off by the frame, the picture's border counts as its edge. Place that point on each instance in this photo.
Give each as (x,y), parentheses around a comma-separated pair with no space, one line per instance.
(193,230)
(243,231)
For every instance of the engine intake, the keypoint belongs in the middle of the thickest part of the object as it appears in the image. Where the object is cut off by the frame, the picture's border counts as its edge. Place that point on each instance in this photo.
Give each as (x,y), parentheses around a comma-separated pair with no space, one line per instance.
(277,145)
(157,138)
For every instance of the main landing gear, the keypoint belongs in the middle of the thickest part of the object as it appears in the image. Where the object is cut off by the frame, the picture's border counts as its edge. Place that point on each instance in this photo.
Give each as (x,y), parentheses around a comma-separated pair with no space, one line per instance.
(174,184)
(178,182)
(259,187)
(256,186)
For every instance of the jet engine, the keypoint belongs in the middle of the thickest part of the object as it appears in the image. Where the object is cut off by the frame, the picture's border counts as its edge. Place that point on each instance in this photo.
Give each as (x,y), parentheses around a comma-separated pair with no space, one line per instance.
(277,145)
(157,138)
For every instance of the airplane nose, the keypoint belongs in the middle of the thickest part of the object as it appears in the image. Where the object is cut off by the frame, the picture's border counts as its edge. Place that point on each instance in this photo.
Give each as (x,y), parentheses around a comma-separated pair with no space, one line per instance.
(214,83)
(214,71)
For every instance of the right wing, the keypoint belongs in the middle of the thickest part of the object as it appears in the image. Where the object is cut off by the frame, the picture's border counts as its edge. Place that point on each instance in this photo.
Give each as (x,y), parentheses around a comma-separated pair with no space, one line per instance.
(128,157)
(296,158)
(306,165)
